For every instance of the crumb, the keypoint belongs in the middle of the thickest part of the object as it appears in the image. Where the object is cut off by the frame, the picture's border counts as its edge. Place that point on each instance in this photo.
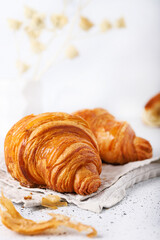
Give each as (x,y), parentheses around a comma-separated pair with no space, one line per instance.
(28,197)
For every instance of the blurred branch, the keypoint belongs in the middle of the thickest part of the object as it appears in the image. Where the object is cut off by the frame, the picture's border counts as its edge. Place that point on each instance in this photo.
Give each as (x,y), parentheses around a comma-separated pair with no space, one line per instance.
(61,48)
(35,24)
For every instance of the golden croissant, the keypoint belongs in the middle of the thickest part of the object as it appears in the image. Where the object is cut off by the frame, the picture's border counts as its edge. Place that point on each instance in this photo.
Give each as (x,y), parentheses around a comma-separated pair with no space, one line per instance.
(117,141)
(54,150)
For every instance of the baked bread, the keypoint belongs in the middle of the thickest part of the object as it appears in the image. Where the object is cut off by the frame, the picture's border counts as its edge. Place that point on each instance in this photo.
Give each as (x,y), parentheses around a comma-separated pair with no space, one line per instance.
(151,113)
(54,150)
(117,141)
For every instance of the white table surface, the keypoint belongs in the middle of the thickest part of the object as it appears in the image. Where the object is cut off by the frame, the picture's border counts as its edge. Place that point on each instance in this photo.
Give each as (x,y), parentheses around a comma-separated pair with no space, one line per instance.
(118,71)
(135,217)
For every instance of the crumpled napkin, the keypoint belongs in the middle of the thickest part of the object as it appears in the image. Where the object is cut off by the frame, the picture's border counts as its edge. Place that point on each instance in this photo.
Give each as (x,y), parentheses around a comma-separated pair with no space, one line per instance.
(115,181)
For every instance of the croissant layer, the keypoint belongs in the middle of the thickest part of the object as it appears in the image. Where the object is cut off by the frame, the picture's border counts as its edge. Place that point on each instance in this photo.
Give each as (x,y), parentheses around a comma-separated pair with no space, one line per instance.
(117,141)
(54,150)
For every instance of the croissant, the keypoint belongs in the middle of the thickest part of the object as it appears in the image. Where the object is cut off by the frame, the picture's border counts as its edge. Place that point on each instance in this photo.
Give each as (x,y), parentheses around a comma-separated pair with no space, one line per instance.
(54,150)
(151,113)
(117,141)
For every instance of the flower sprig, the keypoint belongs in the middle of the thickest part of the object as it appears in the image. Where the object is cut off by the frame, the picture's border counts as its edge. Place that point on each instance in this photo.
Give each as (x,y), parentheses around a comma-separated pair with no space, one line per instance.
(35,24)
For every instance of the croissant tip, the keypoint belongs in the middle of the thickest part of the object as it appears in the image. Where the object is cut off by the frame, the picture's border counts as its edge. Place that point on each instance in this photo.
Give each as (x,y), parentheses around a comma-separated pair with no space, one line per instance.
(143,148)
(93,186)
(89,187)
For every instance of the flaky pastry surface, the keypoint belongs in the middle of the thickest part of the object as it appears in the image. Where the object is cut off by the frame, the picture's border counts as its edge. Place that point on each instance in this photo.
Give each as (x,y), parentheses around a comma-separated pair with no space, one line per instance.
(54,150)
(117,141)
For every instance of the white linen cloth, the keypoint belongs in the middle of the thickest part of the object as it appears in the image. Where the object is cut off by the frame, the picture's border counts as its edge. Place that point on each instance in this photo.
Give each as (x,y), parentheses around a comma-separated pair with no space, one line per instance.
(115,181)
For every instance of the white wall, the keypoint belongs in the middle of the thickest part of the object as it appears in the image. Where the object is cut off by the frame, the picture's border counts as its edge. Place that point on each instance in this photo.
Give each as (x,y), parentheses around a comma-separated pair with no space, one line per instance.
(119,70)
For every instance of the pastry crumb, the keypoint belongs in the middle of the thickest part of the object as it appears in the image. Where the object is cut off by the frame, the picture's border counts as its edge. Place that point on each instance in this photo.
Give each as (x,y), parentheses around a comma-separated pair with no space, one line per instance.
(14,221)
(28,197)
(52,201)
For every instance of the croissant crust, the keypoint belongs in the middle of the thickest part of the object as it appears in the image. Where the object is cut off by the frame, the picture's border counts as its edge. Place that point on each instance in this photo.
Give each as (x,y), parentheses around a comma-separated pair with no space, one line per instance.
(151,113)
(117,141)
(54,150)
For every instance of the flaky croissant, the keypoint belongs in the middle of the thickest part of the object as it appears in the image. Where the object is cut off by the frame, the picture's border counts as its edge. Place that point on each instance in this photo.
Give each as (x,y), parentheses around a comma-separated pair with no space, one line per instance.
(151,113)
(54,150)
(117,141)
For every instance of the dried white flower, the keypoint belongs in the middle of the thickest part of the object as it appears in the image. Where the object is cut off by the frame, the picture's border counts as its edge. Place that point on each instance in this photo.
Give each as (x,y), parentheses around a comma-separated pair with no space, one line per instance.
(59,21)
(32,33)
(120,23)
(22,66)
(37,47)
(85,23)
(105,25)
(14,24)
(71,52)
(38,21)
(29,12)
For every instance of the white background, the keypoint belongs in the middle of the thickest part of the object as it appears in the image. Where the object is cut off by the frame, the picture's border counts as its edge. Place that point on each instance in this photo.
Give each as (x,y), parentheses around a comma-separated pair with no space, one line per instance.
(118,70)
